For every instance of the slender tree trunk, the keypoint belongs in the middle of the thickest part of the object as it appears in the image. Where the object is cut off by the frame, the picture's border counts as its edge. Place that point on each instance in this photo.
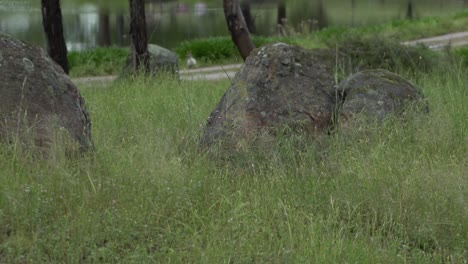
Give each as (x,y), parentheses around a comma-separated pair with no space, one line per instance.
(249,20)
(120,25)
(104,30)
(409,10)
(238,28)
(281,20)
(52,23)
(322,15)
(138,36)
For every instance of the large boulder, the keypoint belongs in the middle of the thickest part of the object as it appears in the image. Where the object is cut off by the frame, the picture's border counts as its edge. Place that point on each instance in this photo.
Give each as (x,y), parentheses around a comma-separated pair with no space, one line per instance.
(161,60)
(37,98)
(278,85)
(376,94)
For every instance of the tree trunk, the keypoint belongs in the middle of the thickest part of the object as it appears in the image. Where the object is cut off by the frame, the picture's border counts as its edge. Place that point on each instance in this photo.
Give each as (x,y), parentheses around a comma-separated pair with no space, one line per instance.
(238,28)
(52,23)
(281,20)
(104,31)
(120,25)
(321,15)
(138,36)
(409,10)
(249,20)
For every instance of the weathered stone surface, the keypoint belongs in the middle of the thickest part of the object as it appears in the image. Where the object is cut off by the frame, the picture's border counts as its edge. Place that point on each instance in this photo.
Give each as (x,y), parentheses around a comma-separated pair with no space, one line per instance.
(278,85)
(161,60)
(376,94)
(37,97)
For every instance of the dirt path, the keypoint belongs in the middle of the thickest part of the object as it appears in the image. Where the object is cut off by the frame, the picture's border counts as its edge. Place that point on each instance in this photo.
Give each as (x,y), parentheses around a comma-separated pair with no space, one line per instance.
(228,71)
(206,73)
(439,42)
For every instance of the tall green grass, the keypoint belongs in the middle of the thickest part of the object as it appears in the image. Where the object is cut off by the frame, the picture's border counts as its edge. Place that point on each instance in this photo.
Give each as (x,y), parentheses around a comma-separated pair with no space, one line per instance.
(150,194)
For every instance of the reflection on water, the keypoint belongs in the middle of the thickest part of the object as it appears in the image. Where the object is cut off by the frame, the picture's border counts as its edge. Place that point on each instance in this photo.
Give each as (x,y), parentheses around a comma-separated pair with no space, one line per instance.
(89,25)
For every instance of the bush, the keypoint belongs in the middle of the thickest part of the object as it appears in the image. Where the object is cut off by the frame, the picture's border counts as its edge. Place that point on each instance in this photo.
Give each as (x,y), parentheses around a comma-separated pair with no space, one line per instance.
(219,48)
(376,52)
(99,61)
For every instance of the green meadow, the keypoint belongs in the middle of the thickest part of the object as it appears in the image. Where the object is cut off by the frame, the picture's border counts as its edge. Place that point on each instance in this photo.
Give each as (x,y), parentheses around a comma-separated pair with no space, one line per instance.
(150,194)
(394,192)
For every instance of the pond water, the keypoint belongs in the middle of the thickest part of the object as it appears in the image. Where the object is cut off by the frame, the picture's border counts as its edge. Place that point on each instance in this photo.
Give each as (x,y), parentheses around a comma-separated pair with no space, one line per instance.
(92,23)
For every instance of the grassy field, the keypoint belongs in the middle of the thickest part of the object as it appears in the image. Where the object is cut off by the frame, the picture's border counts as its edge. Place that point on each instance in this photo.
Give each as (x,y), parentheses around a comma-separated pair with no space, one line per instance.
(149,194)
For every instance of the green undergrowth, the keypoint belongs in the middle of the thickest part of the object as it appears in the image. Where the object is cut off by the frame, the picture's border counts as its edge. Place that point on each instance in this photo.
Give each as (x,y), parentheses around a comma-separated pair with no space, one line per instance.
(399,30)
(462,54)
(221,50)
(97,62)
(150,194)
(208,52)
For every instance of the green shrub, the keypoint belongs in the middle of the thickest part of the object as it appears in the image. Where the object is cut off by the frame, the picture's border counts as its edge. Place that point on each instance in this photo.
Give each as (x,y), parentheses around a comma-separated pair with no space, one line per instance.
(375,52)
(219,48)
(99,61)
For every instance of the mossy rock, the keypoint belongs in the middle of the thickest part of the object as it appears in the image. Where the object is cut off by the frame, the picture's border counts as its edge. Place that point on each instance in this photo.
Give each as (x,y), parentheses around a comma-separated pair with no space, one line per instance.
(278,85)
(38,100)
(375,95)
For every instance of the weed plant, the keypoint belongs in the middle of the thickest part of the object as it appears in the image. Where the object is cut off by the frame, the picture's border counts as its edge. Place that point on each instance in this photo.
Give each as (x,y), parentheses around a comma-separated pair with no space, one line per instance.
(150,194)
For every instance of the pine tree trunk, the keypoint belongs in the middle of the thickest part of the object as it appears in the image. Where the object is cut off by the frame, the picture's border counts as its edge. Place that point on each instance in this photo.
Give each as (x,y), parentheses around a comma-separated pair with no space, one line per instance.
(238,28)
(409,10)
(104,28)
(138,36)
(249,20)
(120,25)
(281,19)
(52,23)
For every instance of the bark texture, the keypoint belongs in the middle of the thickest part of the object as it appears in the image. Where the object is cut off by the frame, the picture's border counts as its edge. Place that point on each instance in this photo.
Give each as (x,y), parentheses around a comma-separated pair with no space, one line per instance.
(52,23)
(249,19)
(138,35)
(238,28)
(104,28)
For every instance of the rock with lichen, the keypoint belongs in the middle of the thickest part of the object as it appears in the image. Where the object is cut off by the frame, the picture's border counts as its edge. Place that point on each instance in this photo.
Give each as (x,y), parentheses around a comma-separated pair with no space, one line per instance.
(279,85)
(375,95)
(38,100)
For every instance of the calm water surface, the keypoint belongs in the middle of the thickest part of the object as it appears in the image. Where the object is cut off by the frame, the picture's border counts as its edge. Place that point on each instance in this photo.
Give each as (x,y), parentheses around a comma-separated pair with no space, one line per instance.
(88,23)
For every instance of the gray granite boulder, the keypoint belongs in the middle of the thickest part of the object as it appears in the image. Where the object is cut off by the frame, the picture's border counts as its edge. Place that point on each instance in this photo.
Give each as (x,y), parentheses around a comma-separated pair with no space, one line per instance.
(278,85)
(38,99)
(376,94)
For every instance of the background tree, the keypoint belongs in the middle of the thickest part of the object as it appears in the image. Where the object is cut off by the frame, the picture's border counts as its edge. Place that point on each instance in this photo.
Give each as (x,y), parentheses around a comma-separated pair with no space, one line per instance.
(249,19)
(104,28)
(238,28)
(281,18)
(409,9)
(138,35)
(120,27)
(52,23)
